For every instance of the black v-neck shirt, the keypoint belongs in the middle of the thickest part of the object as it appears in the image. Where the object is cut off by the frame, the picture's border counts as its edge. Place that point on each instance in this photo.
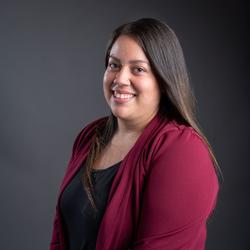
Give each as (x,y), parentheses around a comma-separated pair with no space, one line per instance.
(80,220)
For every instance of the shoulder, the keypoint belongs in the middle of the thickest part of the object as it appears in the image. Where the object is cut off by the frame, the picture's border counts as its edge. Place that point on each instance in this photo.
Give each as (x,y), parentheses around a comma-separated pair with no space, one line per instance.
(179,132)
(93,124)
(174,134)
(87,132)
(179,143)
(182,157)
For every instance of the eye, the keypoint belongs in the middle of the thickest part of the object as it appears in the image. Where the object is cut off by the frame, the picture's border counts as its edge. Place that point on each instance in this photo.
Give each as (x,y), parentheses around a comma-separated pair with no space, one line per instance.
(113,65)
(139,70)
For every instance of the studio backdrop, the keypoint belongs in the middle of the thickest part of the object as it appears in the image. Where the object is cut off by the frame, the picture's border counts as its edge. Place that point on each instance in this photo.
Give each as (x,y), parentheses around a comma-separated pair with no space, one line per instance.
(51,69)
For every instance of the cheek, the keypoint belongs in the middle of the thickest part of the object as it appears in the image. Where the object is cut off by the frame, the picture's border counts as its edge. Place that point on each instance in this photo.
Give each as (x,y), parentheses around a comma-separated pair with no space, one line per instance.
(104,79)
(107,80)
(150,90)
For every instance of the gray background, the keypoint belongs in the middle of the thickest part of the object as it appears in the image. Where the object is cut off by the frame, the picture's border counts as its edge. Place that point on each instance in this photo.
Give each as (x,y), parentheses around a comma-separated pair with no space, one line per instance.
(51,67)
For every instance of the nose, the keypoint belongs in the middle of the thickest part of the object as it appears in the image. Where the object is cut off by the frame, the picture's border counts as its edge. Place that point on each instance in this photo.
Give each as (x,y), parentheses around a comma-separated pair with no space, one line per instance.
(122,77)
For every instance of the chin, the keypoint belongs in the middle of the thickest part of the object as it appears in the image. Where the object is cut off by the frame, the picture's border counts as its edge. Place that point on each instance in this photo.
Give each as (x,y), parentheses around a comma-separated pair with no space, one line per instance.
(121,115)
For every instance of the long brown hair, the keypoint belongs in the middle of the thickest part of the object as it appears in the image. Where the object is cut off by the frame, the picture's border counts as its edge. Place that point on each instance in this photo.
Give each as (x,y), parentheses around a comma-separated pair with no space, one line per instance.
(163,50)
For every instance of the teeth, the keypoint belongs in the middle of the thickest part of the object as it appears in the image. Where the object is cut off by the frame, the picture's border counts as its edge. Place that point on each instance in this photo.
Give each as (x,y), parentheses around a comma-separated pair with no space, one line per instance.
(123,96)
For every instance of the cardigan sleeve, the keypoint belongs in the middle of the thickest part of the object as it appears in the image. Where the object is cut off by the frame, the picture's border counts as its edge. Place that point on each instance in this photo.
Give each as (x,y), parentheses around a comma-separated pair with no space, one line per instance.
(179,195)
(55,239)
(55,243)
(81,140)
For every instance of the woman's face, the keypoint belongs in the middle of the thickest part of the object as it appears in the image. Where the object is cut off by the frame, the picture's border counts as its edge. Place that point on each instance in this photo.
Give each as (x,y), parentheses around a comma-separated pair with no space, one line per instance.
(129,85)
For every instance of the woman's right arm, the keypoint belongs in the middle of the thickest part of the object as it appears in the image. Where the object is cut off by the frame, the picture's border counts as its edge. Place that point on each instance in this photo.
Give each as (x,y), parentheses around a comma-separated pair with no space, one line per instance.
(80,141)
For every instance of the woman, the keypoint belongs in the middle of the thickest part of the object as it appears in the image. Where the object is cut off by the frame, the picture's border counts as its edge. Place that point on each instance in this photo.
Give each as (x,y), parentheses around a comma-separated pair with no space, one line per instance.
(145,176)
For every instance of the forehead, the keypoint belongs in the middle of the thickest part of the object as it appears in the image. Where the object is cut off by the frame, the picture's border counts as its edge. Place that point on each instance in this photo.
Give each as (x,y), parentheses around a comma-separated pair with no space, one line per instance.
(127,48)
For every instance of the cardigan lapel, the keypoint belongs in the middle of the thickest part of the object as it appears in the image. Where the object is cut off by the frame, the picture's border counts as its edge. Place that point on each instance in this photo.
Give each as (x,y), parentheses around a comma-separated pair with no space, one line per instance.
(120,219)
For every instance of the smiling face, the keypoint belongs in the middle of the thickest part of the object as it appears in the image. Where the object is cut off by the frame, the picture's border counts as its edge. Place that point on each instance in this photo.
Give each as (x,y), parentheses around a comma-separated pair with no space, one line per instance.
(130,87)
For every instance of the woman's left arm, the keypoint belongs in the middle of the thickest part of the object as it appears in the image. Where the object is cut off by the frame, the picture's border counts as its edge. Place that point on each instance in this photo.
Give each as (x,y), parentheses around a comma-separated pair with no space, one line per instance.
(180,194)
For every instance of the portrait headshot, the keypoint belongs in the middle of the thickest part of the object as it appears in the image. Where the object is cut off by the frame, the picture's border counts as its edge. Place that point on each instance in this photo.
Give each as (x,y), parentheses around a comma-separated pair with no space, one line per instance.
(119,126)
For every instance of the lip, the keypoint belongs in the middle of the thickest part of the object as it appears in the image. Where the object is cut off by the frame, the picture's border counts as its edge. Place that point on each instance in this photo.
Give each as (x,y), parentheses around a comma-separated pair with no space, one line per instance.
(122,100)
(122,92)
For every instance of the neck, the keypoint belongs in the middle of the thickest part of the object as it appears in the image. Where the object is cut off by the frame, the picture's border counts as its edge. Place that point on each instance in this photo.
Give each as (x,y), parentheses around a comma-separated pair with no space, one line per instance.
(132,128)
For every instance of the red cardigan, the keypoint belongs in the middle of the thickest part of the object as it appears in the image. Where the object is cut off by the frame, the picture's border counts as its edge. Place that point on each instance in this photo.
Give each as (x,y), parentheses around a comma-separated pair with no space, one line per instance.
(162,195)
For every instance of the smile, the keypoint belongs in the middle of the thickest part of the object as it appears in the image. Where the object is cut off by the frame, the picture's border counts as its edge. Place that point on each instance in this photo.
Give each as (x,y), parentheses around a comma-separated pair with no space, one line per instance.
(121,98)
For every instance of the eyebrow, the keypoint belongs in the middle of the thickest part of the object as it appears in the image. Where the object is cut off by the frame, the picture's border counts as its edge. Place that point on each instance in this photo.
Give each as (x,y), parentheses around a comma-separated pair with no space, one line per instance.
(131,61)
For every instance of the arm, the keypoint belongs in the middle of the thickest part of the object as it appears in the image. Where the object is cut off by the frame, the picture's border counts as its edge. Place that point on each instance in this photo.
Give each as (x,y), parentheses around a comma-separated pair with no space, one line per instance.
(179,195)
(55,244)
(81,141)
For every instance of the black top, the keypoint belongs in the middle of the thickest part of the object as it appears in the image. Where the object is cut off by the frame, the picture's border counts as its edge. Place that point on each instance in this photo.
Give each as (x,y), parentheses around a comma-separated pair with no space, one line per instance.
(80,220)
